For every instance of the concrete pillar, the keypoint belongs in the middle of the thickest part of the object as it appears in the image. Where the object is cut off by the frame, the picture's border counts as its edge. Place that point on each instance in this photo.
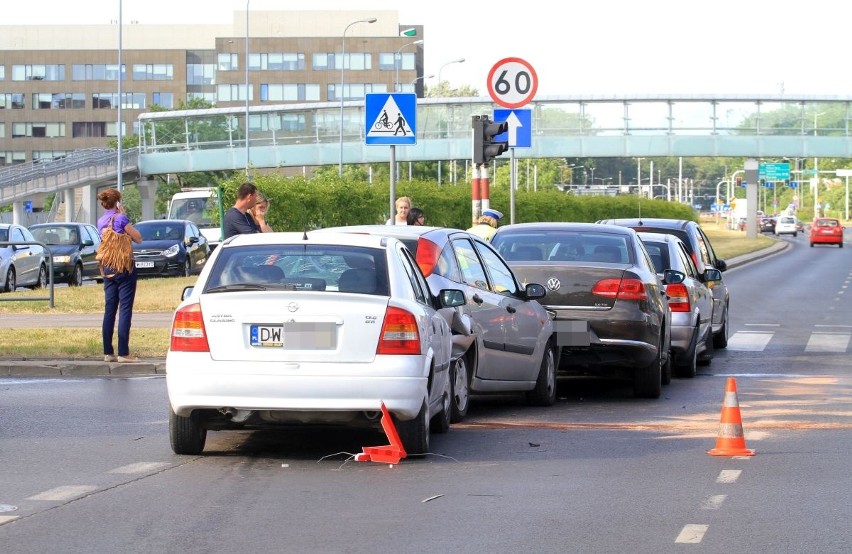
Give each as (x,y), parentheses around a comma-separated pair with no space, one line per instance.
(18,213)
(90,207)
(69,205)
(148,193)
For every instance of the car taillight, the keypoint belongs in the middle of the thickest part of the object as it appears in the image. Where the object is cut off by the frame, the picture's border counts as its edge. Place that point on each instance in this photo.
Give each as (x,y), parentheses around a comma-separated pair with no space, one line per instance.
(427,256)
(399,333)
(188,334)
(678,297)
(621,289)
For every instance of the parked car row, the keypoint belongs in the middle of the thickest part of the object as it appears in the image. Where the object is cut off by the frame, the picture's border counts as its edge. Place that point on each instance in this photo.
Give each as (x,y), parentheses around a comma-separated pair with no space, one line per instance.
(326,326)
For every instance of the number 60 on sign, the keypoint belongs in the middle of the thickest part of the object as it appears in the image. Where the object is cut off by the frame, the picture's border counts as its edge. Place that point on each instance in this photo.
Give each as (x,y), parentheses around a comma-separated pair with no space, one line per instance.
(512,82)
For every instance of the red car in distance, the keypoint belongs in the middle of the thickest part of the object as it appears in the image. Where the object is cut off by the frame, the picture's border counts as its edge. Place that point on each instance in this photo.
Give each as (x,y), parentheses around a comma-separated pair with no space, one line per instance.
(826,230)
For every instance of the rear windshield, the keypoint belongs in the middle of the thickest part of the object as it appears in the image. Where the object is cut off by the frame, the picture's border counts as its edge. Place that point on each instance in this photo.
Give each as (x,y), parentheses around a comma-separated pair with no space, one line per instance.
(827,223)
(308,267)
(561,246)
(679,233)
(659,253)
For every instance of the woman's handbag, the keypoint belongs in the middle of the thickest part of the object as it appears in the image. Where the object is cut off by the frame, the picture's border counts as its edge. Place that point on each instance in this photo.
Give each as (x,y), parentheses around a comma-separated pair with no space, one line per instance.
(115,251)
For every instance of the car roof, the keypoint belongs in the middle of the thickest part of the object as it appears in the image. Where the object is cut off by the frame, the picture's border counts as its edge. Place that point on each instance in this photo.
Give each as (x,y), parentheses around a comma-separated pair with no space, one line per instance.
(311,237)
(563,226)
(659,222)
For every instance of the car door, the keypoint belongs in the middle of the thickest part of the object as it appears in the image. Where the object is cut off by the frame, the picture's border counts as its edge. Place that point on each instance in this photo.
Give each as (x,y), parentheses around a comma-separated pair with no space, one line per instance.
(522,320)
(718,288)
(91,240)
(27,258)
(701,295)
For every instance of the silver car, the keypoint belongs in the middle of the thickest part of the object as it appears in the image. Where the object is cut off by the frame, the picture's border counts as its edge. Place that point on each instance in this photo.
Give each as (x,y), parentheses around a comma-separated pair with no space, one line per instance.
(21,265)
(690,302)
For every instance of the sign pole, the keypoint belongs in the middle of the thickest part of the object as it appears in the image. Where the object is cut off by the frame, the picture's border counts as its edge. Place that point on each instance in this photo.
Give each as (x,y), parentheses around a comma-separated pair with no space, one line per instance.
(513,184)
(393,183)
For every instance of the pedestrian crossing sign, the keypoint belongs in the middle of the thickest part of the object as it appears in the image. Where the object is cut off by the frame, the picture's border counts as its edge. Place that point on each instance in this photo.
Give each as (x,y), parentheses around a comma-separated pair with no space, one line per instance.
(391,119)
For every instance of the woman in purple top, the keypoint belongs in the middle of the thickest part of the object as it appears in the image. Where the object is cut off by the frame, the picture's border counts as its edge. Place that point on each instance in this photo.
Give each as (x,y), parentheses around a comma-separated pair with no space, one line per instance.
(119,287)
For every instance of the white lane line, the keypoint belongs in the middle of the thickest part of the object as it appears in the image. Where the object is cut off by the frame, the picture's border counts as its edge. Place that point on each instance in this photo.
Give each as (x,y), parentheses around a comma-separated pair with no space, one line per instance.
(749,342)
(729,475)
(7,519)
(140,467)
(691,533)
(827,342)
(713,502)
(835,326)
(60,494)
(763,325)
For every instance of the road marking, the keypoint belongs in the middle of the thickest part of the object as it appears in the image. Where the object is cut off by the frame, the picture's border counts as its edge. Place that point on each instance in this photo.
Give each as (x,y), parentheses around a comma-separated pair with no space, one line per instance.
(827,342)
(749,342)
(140,467)
(691,533)
(763,325)
(7,519)
(728,476)
(713,502)
(60,494)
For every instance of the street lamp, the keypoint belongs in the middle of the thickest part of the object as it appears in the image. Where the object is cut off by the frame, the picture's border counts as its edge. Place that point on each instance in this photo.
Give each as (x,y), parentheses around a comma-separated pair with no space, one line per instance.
(119,182)
(639,175)
(413,81)
(247,86)
(460,60)
(397,61)
(816,170)
(342,84)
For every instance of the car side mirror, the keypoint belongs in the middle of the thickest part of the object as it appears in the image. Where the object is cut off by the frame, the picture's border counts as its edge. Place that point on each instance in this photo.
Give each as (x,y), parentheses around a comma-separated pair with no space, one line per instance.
(451,298)
(88,242)
(534,291)
(721,265)
(711,274)
(673,277)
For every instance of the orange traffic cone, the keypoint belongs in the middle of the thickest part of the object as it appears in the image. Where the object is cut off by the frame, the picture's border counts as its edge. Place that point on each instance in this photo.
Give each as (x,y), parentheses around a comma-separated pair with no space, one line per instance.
(731,441)
(388,454)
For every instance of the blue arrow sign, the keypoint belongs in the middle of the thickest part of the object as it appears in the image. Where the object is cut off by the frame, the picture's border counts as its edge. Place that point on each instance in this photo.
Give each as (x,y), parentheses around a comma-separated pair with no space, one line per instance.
(519,134)
(391,119)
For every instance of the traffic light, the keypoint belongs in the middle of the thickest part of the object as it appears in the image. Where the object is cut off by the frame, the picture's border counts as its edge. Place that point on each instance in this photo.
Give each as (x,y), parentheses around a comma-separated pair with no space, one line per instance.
(485,148)
(739,181)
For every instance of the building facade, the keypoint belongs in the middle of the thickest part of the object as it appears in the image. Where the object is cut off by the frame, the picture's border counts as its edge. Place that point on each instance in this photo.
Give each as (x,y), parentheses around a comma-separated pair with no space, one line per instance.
(59,88)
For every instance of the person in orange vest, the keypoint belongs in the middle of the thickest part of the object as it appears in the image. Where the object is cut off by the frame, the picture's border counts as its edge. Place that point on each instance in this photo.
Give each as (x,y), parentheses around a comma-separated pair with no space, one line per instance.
(486,225)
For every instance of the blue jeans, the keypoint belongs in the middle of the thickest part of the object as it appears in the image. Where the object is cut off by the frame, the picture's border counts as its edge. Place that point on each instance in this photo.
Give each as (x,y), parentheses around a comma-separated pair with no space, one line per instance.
(119,294)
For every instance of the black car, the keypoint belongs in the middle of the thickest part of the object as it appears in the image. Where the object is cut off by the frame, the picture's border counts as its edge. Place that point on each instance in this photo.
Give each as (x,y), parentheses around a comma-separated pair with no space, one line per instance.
(702,254)
(766,225)
(73,247)
(170,247)
(612,318)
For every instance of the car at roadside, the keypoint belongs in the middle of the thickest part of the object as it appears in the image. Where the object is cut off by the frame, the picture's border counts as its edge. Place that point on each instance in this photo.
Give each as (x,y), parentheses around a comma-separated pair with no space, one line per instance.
(611,314)
(690,302)
(786,225)
(504,341)
(766,225)
(284,329)
(173,247)
(701,251)
(21,265)
(73,247)
(826,230)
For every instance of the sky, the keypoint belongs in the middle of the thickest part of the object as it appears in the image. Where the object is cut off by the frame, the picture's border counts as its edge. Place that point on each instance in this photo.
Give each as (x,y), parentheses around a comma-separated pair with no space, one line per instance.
(593,47)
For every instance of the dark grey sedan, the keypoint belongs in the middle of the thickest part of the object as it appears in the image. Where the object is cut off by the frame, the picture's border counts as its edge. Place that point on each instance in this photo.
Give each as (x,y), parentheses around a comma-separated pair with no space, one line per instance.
(170,247)
(612,317)
(73,247)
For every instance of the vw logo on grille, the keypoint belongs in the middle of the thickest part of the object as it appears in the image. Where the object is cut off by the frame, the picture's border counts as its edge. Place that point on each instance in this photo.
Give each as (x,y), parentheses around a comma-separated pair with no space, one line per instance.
(292,307)
(553,284)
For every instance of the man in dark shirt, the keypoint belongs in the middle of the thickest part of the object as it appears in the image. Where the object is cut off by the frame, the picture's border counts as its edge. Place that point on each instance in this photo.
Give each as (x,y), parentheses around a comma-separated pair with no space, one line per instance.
(237,220)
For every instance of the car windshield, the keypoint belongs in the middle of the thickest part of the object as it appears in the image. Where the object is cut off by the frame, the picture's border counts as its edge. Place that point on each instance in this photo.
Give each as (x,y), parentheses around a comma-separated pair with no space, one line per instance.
(160,231)
(56,235)
(300,267)
(201,211)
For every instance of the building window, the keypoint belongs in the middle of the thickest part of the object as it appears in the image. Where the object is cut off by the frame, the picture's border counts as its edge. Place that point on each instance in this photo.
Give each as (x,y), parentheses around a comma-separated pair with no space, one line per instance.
(45,72)
(405,61)
(13,101)
(12,157)
(81,129)
(356,61)
(153,72)
(2,72)
(232,93)
(274,61)
(41,130)
(97,72)
(354,91)
(58,100)
(227,61)
(49,154)
(163,99)
(206,96)
(2,130)
(109,100)
(200,73)
(279,92)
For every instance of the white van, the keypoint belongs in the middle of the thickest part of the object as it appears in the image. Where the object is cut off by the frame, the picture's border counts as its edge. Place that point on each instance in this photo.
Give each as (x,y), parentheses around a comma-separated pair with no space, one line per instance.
(201,206)
(786,225)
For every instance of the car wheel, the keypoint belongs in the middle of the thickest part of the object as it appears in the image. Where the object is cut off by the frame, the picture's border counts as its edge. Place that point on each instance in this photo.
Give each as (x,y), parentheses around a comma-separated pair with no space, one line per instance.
(460,393)
(720,339)
(41,282)
(11,284)
(840,245)
(414,433)
(648,380)
(76,278)
(186,434)
(441,421)
(544,393)
(794,235)
(666,374)
(187,267)
(707,356)
(812,245)
(686,366)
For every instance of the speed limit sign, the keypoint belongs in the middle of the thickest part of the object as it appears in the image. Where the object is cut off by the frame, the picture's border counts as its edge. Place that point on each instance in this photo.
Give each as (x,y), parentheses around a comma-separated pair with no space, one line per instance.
(512,82)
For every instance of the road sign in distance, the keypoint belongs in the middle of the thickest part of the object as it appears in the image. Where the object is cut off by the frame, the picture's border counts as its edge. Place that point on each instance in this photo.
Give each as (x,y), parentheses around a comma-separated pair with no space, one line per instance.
(512,82)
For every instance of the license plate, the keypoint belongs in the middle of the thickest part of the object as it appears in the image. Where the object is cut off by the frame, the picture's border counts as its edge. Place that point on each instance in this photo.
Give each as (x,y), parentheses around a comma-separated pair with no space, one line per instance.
(144,265)
(267,335)
(572,333)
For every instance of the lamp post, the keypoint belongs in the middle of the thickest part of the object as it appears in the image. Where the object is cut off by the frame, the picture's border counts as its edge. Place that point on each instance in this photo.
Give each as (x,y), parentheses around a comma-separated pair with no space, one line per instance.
(440,69)
(639,175)
(397,61)
(247,87)
(342,84)
(119,181)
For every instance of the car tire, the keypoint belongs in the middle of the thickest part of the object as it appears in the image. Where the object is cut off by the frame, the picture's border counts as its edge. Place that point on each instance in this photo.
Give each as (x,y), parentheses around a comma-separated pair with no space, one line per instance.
(76,278)
(795,235)
(11,283)
(187,267)
(812,245)
(186,434)
(707,356)
(666,374)
(441,421)
(544,393)
(414,433)
(41,281)
(459,390)
(648,380)
(687,364)
(840,245)
(720,339)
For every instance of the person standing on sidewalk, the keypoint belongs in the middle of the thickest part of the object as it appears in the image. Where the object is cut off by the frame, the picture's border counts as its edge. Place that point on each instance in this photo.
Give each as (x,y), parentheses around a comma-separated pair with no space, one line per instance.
(239,220)
(119,286)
